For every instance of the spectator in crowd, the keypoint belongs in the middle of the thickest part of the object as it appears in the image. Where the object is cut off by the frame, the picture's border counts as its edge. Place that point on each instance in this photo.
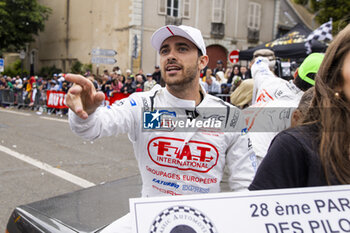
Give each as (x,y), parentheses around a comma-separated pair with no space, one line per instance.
(99,83)
(116,69)
(19,79)
(245,73)
(203,72)
(9,83)
(157,76)
(317,152)
(121,77)
(228,73)
(60,80)
(55,77)
(236,81)
(129,75)
(150,83)
(182,56)
(93,80)
(111,75)
(128,86)
(105,72)
(32,80)
(44,84)
(106,85)
(208,73)
(18,91)
(25,93)
(219,67)
(116,84)
(211,86)
(220,77)
(234,74)
(142,74)
(138,83)
(65,87)
(87,73)
(18,85)
(2,87)
(54,86)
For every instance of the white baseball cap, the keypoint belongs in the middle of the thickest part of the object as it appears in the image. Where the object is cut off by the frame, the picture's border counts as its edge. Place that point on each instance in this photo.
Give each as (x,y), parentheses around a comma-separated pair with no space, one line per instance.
(190,33)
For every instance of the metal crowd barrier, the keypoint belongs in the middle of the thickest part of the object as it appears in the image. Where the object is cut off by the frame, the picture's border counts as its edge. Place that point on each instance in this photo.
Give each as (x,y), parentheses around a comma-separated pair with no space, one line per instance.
(224,97)
(7,97)
(20,98)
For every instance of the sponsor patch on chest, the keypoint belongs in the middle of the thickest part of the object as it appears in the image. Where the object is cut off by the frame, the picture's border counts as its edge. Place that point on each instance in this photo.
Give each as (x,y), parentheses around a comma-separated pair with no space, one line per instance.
(173,152)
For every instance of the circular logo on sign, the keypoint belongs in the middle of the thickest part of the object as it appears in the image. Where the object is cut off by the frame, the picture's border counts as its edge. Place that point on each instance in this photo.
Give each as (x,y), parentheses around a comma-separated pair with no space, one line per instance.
(182,219)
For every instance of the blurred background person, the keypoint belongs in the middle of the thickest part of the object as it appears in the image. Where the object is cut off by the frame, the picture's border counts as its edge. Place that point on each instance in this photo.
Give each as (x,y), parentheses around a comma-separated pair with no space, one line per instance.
(316,153)
(219,67)
(150,83)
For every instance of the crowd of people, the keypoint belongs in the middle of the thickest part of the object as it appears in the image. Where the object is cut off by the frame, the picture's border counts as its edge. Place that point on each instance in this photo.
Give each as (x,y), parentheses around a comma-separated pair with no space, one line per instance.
(31,90)
(34,87)
(221,80)
(224,81)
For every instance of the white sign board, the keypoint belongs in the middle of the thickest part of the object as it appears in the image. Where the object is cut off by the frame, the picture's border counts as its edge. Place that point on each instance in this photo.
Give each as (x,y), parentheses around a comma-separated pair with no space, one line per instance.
(22,54)
(2,65)
(103,60)
(320,209)
(103,52)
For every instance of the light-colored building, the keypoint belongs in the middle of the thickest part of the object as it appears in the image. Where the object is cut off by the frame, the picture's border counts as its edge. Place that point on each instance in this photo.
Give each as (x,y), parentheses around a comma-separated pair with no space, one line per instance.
(76,27)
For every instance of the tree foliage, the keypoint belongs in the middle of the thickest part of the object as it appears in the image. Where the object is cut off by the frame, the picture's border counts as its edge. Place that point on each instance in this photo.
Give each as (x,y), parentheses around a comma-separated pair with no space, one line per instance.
(20,20)
(15,69)
(48,71)
(338,10)
(80,68)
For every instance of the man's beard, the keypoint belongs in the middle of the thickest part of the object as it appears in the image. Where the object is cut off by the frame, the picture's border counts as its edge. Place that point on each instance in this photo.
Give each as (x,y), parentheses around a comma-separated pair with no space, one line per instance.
(189,75)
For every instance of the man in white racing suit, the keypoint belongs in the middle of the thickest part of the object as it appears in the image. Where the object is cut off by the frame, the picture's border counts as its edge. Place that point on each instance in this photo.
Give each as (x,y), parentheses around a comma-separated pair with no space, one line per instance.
(276,100)
(173,158)
(269,87)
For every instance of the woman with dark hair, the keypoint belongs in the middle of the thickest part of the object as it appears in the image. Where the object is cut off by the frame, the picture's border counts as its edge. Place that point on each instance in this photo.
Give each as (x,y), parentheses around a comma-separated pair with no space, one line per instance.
(235,72)
(317,152)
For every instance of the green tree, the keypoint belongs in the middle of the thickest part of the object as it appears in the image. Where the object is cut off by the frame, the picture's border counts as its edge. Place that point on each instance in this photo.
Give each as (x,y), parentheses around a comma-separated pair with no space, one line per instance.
(48,71)
(80,68)
(15,69)
(20,20)
(338,10)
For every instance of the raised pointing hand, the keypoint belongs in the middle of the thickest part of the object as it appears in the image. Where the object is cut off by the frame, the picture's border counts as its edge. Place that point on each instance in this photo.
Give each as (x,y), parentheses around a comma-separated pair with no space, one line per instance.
(82,97)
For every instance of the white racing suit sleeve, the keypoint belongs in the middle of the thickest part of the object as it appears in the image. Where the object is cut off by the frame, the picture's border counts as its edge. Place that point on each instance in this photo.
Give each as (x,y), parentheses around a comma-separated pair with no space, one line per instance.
(260,72)
(118,118)
(241,159)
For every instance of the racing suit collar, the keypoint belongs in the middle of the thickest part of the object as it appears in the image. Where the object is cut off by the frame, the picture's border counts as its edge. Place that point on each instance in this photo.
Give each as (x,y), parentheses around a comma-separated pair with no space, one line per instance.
(177,102)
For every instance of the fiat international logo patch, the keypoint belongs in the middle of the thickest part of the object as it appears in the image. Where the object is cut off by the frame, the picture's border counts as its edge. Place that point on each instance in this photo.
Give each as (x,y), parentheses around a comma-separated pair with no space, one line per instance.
(173,152)
(182,219)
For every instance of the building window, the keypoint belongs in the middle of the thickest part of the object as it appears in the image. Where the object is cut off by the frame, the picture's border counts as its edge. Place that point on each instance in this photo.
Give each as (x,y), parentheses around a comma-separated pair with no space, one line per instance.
(254,16)
(173,8)
(217,30)
(186,8)
(218,11)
